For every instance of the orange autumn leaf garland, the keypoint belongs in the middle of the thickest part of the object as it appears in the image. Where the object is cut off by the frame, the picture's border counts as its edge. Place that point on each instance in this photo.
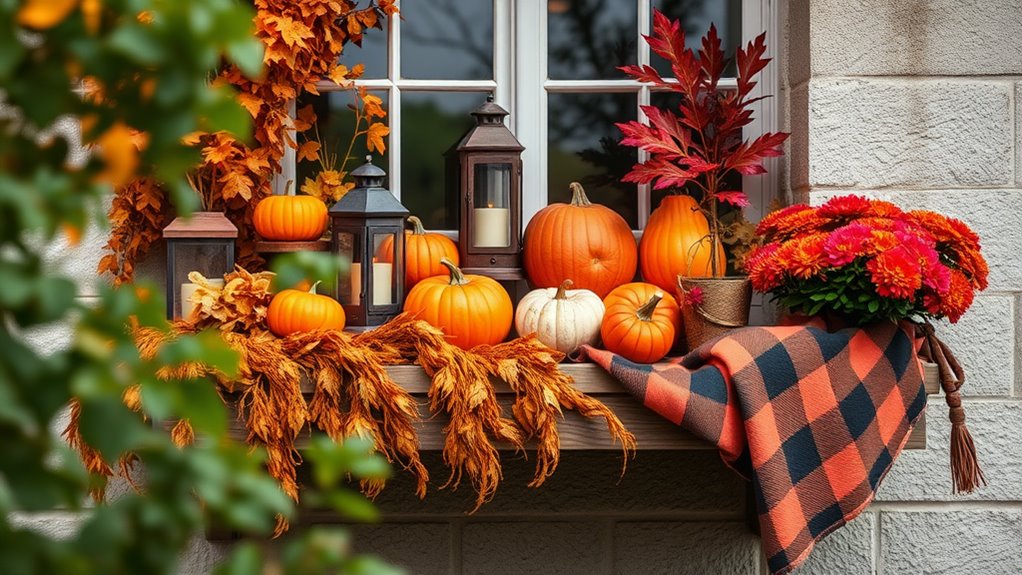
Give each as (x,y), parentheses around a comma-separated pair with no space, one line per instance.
(303,41)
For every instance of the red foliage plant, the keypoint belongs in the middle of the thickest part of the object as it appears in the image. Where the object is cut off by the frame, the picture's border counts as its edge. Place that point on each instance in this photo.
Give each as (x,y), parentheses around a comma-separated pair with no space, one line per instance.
(703,143)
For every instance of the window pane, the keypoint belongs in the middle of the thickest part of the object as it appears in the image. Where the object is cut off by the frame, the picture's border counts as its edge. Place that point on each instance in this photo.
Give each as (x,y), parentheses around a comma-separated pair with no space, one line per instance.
(584,147)
(335,123)
(447,39)
(372,54)
(696,16)
(589,39)
(432,123)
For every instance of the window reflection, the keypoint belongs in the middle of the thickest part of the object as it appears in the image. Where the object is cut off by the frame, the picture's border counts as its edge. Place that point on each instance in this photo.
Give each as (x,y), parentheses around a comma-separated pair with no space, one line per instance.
(696,16)
(431,123)
(335,123)
(447,39)
(589,39)
(583,147)
(372,54)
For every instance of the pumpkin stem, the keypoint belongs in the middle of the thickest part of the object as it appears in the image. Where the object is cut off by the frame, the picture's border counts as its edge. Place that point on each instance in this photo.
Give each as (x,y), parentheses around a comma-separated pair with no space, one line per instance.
(288,188)
(457,278)
(563,288)
(314,286)
(578,195)
(645,313)
(417,229)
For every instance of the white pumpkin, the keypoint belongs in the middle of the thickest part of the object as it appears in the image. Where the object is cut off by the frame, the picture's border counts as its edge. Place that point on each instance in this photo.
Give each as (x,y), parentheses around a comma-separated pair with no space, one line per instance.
(561,318)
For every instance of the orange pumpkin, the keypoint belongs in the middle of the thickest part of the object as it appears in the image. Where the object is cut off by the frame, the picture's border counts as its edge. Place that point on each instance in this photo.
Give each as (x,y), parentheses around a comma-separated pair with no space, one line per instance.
(290,218)
(589,243)
(470,309)
(676,242)
(640,323)
(293,311)
(423,252)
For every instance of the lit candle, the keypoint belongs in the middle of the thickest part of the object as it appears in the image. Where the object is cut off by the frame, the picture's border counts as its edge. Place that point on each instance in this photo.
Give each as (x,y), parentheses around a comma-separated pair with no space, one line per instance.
(188,295)
(356,284)
(491,227)
(382,289)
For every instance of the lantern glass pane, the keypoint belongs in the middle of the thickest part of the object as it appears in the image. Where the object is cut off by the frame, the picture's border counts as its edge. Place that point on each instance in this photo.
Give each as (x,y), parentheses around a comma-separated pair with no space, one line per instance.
(491,212)
(382,285)
(349,283)
(208,258)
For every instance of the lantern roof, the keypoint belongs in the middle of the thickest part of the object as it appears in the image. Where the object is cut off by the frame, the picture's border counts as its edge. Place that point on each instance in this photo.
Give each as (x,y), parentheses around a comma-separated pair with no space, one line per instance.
(489,133)
(368,197)
(201,225)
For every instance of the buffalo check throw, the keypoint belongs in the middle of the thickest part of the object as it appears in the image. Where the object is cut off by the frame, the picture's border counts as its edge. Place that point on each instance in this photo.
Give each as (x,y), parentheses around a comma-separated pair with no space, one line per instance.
(814,418)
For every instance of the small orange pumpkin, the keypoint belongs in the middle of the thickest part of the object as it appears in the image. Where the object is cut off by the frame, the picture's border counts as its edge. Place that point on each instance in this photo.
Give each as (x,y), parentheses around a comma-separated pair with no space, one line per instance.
(423,252)
(589,243)
(290,218)
(676,242)
(293,311)
(471,310)
(640,323)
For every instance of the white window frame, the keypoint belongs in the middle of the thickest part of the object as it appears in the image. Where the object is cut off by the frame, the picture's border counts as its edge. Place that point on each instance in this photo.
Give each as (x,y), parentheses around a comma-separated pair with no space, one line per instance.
(518,56)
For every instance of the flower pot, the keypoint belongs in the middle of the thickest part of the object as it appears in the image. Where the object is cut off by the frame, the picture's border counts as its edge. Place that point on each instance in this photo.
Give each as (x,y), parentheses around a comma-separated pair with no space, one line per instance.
(722,304)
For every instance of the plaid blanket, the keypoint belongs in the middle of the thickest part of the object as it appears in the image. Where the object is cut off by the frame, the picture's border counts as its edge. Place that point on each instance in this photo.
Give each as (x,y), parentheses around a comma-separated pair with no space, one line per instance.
(814,418)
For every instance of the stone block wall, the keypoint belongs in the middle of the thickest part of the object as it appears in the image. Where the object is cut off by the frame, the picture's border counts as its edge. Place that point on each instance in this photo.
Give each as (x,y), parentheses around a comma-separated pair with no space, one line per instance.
(918,102)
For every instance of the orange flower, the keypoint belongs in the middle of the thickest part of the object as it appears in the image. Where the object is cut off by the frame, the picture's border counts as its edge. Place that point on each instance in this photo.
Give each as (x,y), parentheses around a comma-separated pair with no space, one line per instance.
(804,257)
(896,273)
(958,298)
(763,269)
(844,208)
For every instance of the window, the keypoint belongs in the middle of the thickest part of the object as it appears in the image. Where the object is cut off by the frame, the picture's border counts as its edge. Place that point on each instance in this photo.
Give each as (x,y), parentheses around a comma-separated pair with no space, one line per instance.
(553,65)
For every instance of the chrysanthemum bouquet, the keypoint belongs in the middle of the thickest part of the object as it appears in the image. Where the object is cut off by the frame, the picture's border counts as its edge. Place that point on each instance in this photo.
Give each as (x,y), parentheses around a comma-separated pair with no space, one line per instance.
(867,260)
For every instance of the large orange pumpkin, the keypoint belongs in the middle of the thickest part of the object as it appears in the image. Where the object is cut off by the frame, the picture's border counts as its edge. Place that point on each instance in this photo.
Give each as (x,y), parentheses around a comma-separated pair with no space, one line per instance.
(423,252)
(641,322)
(290,218)
(589,243)
(470,309)
(293,311)
(676,242)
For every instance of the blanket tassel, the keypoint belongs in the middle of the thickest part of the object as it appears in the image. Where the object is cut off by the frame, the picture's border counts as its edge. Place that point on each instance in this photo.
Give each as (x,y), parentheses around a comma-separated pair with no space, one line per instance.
(966,474)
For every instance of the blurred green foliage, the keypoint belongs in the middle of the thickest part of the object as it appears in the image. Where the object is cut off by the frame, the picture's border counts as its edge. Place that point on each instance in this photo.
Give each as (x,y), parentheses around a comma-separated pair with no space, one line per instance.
(154,75)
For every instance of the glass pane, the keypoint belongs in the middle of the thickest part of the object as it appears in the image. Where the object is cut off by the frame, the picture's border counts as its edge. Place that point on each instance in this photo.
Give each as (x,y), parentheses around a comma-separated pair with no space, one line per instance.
(696,17)
(447,39)
(491,213)
(431,124)
(382,283)
(589,39)
(209,259)
(349,286)
(733,181)
(583,147)
(372,54)
(335,124)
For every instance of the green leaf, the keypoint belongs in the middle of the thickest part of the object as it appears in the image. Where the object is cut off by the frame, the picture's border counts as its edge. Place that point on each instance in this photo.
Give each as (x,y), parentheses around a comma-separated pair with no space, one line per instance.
(248,56)
(137,44)
(245,559)
(110,427)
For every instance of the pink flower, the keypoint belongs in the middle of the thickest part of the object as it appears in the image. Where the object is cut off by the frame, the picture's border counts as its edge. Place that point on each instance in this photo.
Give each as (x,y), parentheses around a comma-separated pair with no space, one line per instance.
(846,243)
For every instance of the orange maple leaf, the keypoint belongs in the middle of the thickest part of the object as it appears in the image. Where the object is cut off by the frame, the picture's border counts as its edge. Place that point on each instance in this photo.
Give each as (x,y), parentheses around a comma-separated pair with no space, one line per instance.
(372,106)
(293,33)
(251,102)
(374,137)
(309,150)
(45,14)
(339,76)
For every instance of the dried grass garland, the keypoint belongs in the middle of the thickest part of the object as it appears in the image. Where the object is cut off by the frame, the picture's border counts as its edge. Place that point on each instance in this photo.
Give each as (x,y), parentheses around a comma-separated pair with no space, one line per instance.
(354,396)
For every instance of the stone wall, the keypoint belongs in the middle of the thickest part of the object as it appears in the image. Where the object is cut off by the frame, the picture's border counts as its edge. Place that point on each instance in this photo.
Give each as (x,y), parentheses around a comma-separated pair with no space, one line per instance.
(918,102)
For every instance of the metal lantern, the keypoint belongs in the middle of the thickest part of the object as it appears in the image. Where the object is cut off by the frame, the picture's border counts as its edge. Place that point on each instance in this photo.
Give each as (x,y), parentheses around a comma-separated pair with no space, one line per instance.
(204,243)
(367,229)
(487,185)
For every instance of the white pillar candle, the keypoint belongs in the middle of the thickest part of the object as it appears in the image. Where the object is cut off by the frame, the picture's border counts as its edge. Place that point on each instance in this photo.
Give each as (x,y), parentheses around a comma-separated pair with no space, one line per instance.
(356,283)
(491,227)
(382,290)
(187,295)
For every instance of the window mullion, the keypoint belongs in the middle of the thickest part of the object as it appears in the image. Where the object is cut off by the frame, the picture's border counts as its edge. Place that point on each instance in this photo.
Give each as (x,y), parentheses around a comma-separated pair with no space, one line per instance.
(394,103)
(531,102)
(644,19)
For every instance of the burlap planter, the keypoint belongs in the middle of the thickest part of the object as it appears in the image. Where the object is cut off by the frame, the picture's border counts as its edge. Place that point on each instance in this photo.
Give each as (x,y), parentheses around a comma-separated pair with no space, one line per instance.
(725,306)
